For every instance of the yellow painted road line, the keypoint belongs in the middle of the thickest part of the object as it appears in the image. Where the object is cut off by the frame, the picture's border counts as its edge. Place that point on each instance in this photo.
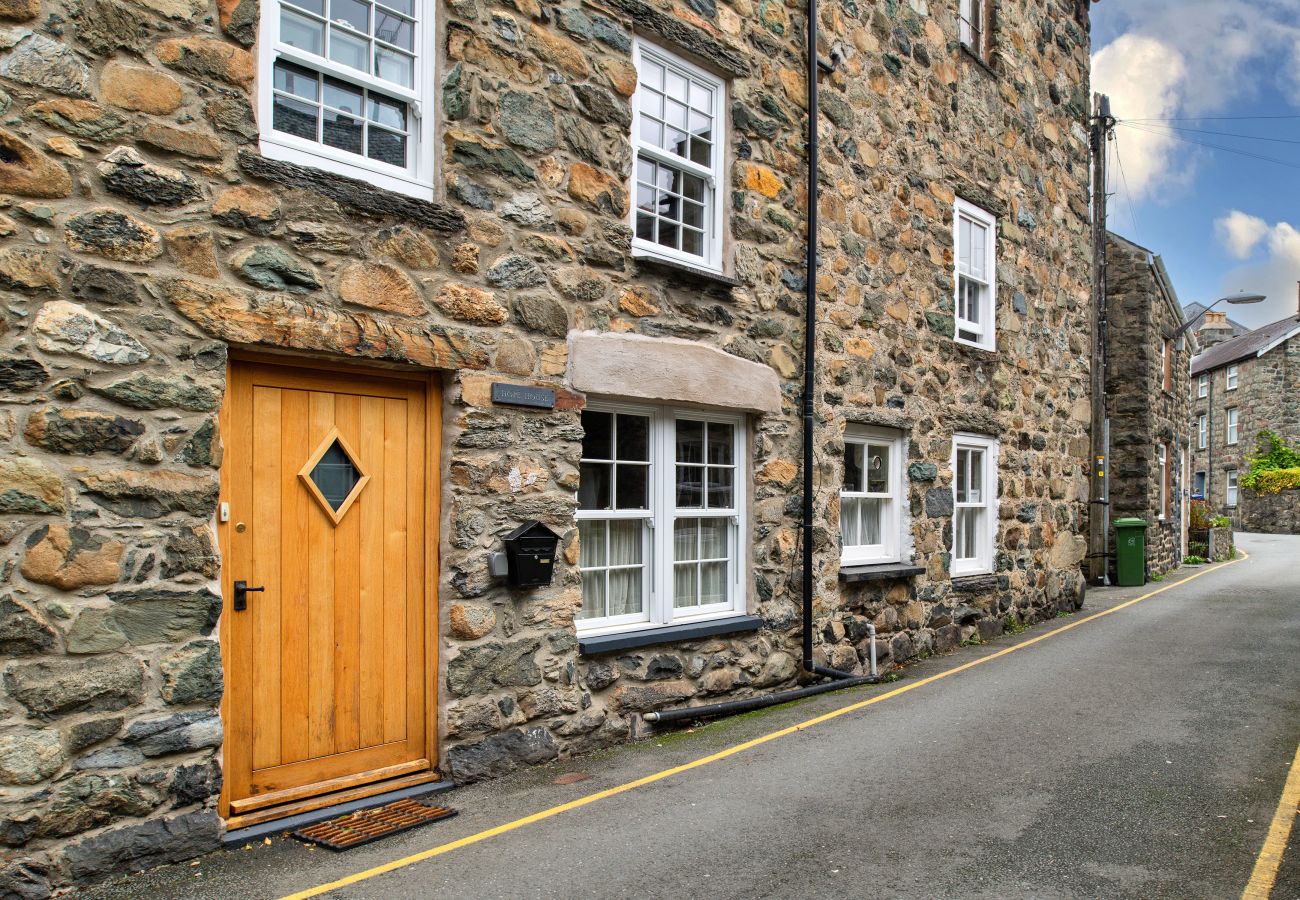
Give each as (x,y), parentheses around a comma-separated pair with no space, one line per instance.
(1270,855)
(721,754)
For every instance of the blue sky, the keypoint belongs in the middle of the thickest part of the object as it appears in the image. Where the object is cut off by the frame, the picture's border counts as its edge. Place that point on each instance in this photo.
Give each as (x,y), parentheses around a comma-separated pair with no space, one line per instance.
(1220,220)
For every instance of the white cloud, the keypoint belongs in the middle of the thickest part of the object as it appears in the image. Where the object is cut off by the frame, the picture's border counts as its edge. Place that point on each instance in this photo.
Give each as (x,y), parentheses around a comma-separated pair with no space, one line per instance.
(1240,233)
(1275,275)
(1186,58)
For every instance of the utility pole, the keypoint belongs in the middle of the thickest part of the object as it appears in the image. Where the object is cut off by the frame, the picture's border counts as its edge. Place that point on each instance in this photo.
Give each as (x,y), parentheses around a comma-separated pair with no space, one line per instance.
(1099,487)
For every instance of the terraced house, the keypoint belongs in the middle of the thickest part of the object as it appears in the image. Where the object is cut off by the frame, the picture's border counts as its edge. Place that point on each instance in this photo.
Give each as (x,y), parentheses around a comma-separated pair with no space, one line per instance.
(314,306)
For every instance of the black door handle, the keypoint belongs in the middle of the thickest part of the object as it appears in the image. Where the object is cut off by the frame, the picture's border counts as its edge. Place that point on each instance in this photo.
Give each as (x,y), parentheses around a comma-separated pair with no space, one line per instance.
(242,590)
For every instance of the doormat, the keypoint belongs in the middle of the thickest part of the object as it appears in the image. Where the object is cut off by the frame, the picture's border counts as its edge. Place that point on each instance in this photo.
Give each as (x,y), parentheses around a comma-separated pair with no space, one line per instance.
(367,825)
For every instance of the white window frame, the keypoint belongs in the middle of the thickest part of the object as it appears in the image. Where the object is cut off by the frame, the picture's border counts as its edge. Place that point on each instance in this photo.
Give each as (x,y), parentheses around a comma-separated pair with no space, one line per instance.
(417,179)
(1198,482)
(1231,375)
(891,528)
(1162,472)
(968,27)
(985,332)
(1202,431)
(1230,487)
(714,178)
(1203,386)
(982,564)
(657,586)
(1234,424)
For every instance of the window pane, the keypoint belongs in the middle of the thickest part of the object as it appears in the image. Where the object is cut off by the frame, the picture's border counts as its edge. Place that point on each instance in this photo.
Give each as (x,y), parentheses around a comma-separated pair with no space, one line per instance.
(651,75)
(966,524)
(714,538)
(675,86)
(668,232)
(685,540)
(675,114)
(594,486)
(315,6)
(625,543)
(593,595)
(296,80)
(387,147)
(651,131)
(692,242)
(335,475)
(692,187)
(978,251)
(675,140)
(701,152)
(634,437)
(632,486)
(390,113)
(684,585)
(850,521)
(853,454)
(591,544)
(395,67)
(873,510)
(625,594)
(690,487)
(597,435)
(701,97)
(342,131)
(721,441)
(713,583)
(298,31)
(351,13)
(295,117)
(405,7)
(645,227)
(878,468)
(690,441)
(719,485)
(963,244)
(349,50)
(963,467)
(394,30)
(343,96)
(693,214)
(975,493)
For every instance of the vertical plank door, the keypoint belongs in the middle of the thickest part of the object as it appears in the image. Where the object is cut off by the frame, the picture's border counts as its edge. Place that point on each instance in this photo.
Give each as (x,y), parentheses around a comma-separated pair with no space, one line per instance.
(331,508)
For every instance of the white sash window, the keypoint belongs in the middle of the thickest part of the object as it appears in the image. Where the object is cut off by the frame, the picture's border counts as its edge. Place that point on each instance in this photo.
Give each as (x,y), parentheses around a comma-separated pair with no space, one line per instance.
(871,496)
(344,86)
(660,506)
(975,498)
(975,237)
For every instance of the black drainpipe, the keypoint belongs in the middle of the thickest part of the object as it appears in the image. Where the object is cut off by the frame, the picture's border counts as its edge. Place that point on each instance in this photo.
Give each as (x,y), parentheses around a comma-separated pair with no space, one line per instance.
(841,679)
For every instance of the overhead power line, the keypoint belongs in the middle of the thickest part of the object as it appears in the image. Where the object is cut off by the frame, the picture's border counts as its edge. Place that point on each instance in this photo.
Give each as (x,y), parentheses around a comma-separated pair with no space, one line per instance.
(1213,118)
(1247,137)
(1146,130)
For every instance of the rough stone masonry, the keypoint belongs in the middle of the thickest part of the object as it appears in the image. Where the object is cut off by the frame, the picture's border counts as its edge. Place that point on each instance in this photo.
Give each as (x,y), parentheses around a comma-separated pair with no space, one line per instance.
(143,238)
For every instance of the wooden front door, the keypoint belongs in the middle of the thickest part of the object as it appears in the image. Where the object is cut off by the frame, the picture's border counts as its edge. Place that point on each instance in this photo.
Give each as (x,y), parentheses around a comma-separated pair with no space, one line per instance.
(332,513)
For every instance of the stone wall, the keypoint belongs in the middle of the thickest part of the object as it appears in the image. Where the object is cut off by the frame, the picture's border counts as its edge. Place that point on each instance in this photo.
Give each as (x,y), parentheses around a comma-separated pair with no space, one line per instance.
(1269,513)
(1267,397)
(1141,310)
(144,238)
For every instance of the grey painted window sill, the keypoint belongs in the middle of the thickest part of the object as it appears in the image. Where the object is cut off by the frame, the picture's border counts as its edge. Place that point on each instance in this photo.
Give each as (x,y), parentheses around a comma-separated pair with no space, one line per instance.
(646,637)
(688,273)
(886,572)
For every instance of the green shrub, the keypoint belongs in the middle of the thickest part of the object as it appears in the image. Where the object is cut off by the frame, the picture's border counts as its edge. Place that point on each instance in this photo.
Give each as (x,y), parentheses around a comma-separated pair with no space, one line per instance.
(1274,467)
(1198,549)
(1220,522)
(1200,515)
(1192,559)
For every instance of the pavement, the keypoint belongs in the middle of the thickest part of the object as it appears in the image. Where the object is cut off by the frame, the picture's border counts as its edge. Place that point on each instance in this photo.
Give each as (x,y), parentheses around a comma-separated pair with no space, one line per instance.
(1139,754)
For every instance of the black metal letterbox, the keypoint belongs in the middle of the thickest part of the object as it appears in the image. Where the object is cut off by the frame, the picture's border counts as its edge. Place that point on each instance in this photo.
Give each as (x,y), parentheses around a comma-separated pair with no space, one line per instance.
(530,555)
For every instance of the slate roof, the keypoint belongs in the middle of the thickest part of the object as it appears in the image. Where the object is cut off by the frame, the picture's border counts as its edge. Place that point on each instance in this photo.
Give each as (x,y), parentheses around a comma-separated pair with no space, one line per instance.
(1252,343)
(1195,312)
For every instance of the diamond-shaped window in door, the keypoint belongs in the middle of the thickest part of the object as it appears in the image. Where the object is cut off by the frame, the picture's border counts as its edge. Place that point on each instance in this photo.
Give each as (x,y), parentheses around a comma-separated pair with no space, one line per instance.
(334,475)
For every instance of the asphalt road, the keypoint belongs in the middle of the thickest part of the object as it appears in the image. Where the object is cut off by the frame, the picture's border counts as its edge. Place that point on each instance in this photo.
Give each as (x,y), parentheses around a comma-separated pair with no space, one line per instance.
(1141,754)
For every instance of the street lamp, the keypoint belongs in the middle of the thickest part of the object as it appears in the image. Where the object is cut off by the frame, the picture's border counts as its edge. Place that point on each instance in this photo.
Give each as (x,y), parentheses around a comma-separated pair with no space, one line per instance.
(1239,298)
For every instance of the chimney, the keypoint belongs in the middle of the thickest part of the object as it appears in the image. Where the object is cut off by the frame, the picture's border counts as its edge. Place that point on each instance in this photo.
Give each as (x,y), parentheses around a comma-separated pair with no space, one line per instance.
(1214,330)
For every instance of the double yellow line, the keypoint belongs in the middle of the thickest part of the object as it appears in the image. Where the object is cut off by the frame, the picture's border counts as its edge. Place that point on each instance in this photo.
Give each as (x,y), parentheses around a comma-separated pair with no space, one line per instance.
(588,799)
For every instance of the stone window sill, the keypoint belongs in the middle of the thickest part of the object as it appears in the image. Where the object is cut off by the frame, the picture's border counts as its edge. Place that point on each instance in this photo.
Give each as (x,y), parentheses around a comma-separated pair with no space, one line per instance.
(690,274)
(646,637)
(885,572)
(975,584)
(978,60)
(354,193)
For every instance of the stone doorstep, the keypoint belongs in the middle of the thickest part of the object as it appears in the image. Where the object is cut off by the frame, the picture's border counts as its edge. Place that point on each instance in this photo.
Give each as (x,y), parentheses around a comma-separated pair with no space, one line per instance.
(240,836)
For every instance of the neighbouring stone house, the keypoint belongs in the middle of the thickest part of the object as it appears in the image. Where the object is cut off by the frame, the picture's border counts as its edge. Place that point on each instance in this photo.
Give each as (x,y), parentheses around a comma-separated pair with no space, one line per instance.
(1146,400)
(309,305)
(1241,386)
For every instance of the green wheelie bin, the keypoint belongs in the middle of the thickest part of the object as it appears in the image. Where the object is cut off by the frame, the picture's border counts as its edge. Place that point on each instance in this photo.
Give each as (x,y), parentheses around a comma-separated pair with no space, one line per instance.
(1131,552)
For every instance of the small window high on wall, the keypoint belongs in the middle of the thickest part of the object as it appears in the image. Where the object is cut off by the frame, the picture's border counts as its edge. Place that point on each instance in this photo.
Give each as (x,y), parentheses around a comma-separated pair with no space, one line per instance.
(679,136)
(975,251)
(348,86)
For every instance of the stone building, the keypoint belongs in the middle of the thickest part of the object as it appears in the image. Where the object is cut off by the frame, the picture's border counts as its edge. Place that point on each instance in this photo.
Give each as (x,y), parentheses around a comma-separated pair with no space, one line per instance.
(1146,400)
(1241,386)
(308,305)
